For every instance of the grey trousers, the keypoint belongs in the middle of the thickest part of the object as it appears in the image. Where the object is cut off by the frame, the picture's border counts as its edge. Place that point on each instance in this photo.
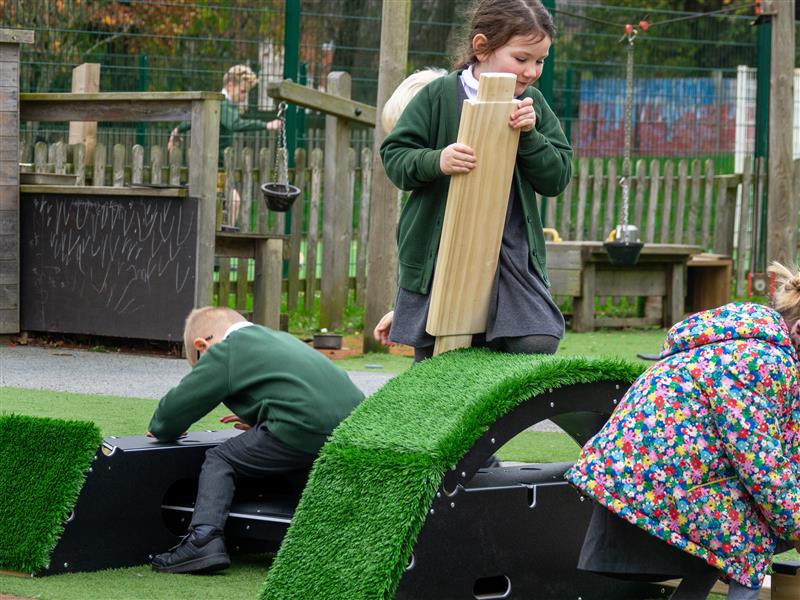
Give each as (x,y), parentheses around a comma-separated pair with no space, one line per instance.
(254,453)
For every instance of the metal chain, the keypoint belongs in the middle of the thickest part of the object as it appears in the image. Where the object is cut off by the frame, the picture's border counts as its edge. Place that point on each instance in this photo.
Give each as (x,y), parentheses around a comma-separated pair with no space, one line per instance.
(282,154)
(626,154)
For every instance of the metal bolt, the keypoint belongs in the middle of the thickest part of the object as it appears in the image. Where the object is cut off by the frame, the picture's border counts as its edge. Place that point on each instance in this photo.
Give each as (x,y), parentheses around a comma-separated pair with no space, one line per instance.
(150,556)
(493,441)
(247,528)
(66,565)
(552,405)
(616,386)
(463,474)
(432,511)
(438,494)
(582,498)
(452,505)
(614,401)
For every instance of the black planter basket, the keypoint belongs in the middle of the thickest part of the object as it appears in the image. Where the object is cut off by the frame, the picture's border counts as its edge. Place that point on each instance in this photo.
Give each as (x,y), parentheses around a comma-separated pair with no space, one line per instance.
(279,197)
(623,253)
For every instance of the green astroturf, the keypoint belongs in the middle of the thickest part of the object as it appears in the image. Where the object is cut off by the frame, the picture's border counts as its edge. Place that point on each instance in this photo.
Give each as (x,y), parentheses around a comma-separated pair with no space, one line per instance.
(43,464)
(371,487)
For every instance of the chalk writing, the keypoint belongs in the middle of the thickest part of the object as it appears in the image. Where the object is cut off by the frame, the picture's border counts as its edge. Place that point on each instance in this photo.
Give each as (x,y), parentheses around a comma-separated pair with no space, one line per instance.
(126,260)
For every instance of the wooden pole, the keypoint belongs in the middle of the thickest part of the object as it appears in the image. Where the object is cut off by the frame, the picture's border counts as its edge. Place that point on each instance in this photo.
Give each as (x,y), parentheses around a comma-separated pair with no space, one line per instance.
(381,248)
(337,212)
(10,40)
(782,204)
(85,79)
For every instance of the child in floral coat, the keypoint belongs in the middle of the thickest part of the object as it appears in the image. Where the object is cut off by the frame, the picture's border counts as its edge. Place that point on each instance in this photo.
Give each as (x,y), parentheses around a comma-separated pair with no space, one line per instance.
(703,454)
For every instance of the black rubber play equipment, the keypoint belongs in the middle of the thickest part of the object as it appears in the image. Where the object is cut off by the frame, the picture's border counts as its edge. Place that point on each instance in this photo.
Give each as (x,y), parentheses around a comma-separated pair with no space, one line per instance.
(508,532)
(516,532)
(137,502)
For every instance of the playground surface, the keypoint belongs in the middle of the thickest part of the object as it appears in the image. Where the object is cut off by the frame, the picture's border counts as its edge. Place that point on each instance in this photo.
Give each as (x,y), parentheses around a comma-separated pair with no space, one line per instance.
(111,373)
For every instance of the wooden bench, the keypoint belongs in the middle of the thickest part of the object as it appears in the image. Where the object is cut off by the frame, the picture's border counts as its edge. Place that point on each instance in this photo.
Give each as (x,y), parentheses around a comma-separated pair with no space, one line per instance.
(582,271)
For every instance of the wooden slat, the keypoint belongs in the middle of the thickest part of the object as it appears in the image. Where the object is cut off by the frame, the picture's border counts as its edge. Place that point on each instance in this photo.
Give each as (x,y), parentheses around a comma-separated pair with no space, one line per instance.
(744,225)
(652,203)
(174,159)
(638,202)
(137,164)
(666,208)
(708,200)
(279,219)
(583,188)
(597,199)
(611,198)
(79,163)
(363,224)
(566,209)
(264,175)
(224,281)
(313,228)
(118,166)
(329,103)
(99,168)
(246,194)
(680,206)
(156,163)
(40,157)
(694,203)
(242,264)
(293,250)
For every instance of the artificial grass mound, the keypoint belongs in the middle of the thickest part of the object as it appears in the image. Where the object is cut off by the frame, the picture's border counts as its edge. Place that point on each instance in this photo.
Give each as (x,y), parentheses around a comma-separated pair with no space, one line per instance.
(43,464)
(369,492)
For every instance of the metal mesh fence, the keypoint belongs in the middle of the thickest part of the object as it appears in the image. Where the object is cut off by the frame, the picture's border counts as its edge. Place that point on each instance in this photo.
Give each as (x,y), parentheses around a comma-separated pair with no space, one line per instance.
(685,65)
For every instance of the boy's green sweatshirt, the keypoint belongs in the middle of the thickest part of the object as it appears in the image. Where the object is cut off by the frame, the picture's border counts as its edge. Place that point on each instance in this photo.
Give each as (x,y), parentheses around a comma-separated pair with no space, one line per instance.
(410,156)
(262,376)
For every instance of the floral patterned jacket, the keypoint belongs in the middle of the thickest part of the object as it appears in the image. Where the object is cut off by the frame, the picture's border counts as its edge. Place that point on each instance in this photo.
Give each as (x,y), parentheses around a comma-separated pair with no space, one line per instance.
(703,451)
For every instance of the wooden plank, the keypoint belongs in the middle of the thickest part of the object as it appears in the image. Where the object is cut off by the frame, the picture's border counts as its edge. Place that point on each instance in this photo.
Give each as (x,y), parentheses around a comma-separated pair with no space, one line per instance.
(174,161)
(566,209)
(313,229)
(475,214)
(99,168)
(694,203)
(331,103)
(267,283)
(680,206)
(611,198)
(652,203)
(242,267)
(246,210)
(638,203)
(564,282)
(264,175)
(15,36)
(597,198)
(745,210)
(724,222)
(103,190)
(337,221)
(708,200)
(79,164)
(112,106)
(85,79)
(224,282)
(666,208)
(583,305)
(118,166)
(156,164)
(363,224)
(583,187)
(137,164)
(40,158)
(293,251)
(637,281)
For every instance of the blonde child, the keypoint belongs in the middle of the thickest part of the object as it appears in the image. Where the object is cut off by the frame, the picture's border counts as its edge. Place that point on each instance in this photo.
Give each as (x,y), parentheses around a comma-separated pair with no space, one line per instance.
(421,154)
(284,395)
(697,473)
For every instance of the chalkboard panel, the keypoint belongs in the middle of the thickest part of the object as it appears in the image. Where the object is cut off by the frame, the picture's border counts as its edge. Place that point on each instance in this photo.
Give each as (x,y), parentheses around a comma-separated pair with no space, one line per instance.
(104,265)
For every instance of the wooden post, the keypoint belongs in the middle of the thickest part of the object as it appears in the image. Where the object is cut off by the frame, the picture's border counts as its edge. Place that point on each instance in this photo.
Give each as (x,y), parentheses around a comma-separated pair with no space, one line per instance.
(85,79)
(337,210)
(10,40)
(381,247)
(782,207)
(203,186)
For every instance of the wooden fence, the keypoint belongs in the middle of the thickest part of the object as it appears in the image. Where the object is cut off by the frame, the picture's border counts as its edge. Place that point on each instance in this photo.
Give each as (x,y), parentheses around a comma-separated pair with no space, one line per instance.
(670,202)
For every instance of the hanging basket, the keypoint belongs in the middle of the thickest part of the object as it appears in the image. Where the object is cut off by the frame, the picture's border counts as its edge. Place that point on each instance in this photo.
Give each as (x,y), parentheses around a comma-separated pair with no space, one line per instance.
(279,196)
(622,253)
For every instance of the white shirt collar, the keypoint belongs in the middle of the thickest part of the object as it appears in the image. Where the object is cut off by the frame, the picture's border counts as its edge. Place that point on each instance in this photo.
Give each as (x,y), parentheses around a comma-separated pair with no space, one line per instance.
(236,327)
(224,92)
(469,82)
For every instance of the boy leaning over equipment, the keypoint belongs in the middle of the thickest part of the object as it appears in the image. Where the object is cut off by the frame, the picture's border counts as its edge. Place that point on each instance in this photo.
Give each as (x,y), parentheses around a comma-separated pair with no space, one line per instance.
(286,397)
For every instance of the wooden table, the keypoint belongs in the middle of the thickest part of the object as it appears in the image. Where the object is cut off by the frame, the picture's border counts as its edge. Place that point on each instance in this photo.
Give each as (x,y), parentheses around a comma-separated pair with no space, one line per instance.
(582,271)
(267,250)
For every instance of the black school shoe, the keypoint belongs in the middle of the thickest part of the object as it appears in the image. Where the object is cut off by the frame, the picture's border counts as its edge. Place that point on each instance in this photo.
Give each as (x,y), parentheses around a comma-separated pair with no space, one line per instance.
(194,555)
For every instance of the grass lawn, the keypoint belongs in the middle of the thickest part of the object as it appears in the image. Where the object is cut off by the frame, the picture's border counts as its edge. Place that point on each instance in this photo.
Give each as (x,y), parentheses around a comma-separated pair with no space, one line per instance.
(129,416)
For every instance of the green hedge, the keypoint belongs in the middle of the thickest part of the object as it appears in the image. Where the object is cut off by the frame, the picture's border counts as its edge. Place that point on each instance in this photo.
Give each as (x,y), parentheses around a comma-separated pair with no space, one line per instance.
(372,485)
(43,463)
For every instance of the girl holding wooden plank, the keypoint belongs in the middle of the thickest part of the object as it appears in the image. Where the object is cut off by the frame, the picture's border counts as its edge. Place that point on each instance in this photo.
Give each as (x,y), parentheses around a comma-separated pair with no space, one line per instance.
(421,154)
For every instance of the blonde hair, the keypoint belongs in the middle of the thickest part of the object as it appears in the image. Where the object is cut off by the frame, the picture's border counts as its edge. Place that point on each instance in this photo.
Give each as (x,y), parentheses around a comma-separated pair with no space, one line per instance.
(400,98)
(786,299)
(205,322)
(238,74)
